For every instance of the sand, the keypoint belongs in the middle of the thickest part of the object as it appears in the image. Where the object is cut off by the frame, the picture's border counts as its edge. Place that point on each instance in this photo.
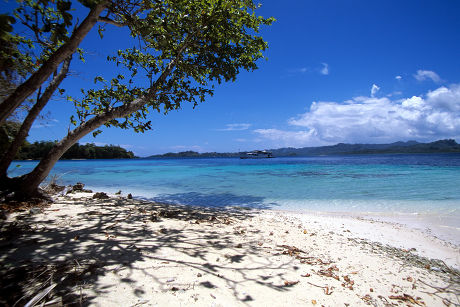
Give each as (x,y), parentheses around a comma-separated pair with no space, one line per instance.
(120,252)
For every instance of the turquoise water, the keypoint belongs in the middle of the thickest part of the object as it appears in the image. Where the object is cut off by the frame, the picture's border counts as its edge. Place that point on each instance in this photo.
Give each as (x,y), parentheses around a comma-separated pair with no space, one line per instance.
(373,183)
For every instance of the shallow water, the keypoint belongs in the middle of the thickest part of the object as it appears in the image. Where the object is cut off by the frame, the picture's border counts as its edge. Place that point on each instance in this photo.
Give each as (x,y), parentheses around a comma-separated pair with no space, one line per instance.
(391,185)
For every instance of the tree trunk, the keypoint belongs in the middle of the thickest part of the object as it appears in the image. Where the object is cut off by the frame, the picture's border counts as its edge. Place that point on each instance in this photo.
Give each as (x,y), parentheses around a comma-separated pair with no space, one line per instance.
(31,116)
(40,76)
(28,184)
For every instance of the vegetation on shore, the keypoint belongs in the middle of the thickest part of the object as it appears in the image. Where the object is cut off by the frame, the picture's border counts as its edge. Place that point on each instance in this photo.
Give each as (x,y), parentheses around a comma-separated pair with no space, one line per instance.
(441,146)
(37,150)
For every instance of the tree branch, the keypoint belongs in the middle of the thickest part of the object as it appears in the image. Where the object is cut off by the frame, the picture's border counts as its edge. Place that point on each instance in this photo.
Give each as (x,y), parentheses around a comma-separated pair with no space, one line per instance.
(41,75)
(42,100)
(111,21)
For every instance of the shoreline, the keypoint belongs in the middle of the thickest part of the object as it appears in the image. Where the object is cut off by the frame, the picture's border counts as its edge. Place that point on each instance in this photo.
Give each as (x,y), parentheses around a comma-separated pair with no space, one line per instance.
(440,225)
(131,252)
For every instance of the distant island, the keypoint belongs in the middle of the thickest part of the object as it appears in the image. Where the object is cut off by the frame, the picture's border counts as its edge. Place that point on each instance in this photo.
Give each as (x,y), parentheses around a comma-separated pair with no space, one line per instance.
(36,150)
(441,146)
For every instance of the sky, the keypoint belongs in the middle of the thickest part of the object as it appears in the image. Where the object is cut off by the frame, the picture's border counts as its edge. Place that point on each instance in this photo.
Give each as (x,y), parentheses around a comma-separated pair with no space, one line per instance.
(337,72)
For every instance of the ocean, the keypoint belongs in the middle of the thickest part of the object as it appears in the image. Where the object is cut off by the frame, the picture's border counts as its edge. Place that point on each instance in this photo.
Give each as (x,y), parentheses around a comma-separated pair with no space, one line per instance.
(419,189)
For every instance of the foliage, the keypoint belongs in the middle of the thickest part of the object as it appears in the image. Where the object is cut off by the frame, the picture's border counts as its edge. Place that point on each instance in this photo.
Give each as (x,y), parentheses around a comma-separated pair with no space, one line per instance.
(13,63)
(185,48)
(7,132)
(49,23)
(37,150)
(12,60)
(41,27)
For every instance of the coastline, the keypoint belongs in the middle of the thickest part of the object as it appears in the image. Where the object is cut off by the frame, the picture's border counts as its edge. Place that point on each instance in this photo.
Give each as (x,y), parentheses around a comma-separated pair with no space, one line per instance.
(133,252)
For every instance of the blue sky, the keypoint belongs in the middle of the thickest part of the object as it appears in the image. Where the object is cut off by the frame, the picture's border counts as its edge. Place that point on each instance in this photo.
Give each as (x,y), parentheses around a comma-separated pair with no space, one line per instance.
(338,71)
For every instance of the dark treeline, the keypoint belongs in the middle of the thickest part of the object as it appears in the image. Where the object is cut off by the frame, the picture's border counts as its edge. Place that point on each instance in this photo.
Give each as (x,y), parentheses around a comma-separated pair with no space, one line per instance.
(410,147)
(37,150)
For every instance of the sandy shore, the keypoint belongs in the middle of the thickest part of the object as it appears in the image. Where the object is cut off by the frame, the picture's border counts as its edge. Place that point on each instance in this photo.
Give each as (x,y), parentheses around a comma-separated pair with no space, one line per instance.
(120,252)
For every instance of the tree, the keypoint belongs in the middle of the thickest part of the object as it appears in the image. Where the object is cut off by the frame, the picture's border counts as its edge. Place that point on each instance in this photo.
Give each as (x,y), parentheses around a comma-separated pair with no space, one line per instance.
(7,133)
(187,47)
(48,23)
(52,17)
(23,131)
(50,64)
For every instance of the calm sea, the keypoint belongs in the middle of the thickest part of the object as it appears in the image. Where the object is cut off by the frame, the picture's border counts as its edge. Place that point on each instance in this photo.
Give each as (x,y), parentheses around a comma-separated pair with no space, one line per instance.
(425,186)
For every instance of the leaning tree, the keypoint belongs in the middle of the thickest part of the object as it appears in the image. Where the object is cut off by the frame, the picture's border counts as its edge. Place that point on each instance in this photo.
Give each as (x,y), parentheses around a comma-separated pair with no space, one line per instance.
(54,18)
(46,30)
(54,59)
(186,47)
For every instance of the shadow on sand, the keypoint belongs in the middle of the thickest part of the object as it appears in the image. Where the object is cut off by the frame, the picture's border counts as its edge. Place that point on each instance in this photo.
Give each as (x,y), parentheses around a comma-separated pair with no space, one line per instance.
(76,250)
(214,200)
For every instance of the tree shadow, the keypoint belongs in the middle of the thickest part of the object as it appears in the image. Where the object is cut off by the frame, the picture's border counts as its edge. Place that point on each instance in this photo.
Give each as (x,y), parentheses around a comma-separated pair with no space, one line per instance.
(77,250)
(214,200)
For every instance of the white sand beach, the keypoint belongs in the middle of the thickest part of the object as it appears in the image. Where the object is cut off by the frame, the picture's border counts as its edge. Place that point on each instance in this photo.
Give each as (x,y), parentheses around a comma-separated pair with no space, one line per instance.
(125,252)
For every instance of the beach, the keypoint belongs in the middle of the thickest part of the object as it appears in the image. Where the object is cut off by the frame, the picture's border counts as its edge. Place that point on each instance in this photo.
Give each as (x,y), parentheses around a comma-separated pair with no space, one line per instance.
(132,252)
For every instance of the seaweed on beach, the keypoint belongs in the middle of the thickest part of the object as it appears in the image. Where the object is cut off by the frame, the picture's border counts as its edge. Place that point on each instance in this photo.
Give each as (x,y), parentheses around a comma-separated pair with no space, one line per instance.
(449,275)
(45,282)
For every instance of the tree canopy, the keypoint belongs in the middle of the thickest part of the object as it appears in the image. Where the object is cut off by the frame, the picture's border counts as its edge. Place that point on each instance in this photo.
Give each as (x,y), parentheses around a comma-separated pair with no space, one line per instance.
(38,150)
(183,50)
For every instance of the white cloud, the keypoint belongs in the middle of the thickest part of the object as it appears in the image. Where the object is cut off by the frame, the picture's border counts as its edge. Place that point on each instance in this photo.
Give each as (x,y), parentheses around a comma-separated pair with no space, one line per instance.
(45,123)
(325,69)
(446,99)
(303,69)
(435,115)
(396,93)
(300,70)
(42,125)
(283,138)
(398,77)
(375,88)
(235,127)
(423,75)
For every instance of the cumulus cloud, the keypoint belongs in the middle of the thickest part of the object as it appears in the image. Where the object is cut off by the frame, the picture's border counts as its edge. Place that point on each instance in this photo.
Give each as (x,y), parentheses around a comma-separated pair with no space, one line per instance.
(434,115)
(375,88)
(423,75)
(398,77)
(286,138)
(325,69)
(235,127)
